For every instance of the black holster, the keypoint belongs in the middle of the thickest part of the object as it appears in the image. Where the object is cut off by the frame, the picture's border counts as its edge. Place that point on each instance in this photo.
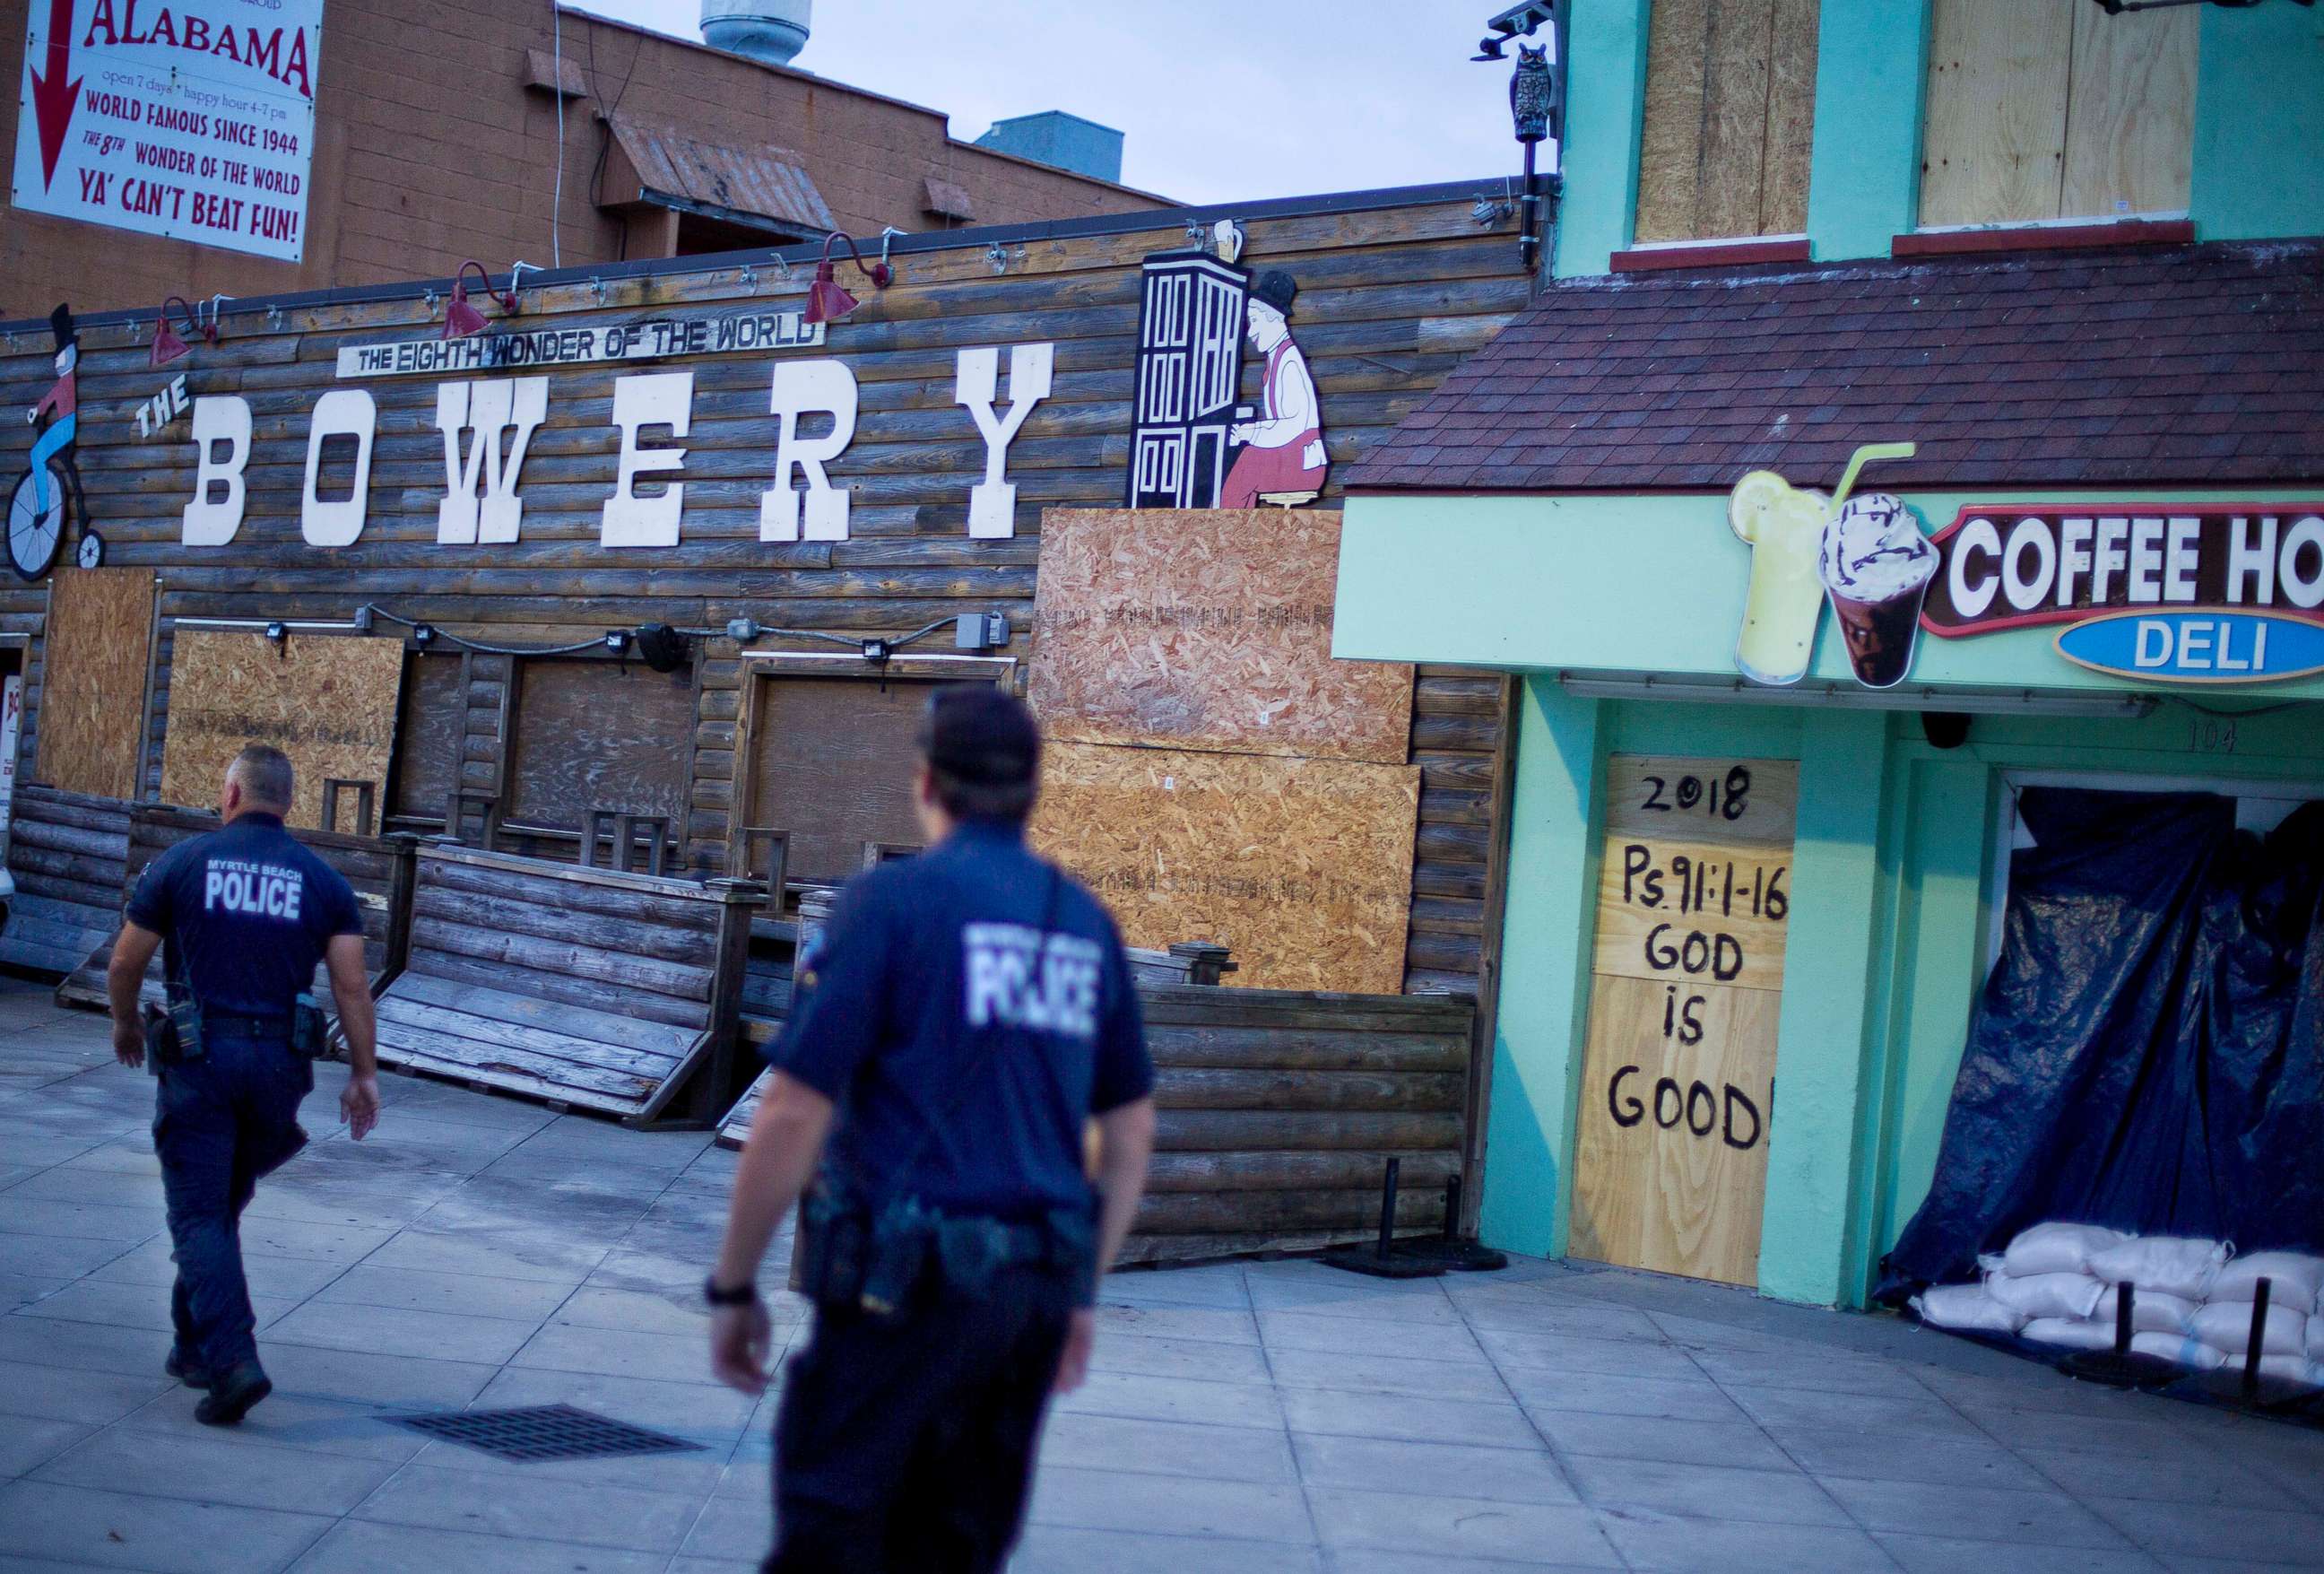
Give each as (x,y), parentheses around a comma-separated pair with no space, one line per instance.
(308,1027)
(173,1034)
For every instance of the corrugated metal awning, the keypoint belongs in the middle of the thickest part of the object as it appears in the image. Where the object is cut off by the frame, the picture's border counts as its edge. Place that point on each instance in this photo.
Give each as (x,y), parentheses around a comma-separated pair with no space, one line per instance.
(766,187)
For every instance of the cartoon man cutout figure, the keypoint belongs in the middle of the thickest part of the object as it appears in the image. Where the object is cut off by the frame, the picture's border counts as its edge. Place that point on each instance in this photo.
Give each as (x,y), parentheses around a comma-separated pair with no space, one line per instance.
(63,401)
(1281,459)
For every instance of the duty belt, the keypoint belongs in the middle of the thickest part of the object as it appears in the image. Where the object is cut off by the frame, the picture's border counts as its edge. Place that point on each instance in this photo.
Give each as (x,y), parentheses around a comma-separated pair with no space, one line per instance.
(255,1027)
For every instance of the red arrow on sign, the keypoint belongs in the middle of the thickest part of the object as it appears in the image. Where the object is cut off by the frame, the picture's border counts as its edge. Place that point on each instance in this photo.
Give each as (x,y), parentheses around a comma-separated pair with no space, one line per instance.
(53,98)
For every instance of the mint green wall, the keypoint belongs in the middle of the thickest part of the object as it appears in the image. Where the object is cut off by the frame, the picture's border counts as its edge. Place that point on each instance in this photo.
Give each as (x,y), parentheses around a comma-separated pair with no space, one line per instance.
(1631,583)
(1882,963)
(1605,110)
(1546,940)
(1871,71)
(2259,123)
(1821,1039)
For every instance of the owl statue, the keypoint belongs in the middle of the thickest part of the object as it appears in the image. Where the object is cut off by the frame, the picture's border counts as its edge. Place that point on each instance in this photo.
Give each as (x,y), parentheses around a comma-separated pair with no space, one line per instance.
(1533,93)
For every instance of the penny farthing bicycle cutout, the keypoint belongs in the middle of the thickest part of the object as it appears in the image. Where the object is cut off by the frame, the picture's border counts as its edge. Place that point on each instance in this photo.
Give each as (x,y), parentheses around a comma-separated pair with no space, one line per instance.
(47,497)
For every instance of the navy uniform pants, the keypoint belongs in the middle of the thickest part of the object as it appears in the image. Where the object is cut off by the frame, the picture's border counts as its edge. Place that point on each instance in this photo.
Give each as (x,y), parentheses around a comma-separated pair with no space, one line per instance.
(221,1122)
(908,1446)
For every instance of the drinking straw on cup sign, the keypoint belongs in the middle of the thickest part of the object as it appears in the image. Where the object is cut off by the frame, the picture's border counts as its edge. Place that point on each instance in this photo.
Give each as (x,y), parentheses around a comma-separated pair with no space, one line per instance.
(1858,460)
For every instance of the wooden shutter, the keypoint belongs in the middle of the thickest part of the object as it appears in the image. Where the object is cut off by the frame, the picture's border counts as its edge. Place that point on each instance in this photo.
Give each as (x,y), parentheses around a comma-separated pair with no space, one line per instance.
(1729,119)
(2038,111)
(598,735)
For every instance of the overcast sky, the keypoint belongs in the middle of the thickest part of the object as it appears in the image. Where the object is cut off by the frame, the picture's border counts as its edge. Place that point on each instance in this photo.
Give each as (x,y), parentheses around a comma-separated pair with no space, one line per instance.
(1220,100)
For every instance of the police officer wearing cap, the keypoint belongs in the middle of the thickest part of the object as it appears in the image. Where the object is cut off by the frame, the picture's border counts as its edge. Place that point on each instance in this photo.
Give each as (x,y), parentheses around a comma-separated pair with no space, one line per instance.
(244,913)
(968,1013)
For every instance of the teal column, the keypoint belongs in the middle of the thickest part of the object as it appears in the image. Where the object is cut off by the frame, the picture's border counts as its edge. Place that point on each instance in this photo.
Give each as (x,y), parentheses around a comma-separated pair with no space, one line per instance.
(2259,123)
(1545,944)
(1605,111)
(1863,187)
(1828,987)
(1938,934)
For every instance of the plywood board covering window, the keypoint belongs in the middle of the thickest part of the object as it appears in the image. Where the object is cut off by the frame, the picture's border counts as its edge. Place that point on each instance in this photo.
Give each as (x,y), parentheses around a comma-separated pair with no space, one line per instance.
(598,735)
(831,763)
(1206,629)
(428,737)
(2040,111)
(328,701)
(1729,119)
(1301,867)
(98,642)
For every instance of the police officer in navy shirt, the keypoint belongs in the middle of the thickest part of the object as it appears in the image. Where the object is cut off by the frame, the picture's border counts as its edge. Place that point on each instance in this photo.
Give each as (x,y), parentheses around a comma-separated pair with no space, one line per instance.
(245,912)
(968,1013)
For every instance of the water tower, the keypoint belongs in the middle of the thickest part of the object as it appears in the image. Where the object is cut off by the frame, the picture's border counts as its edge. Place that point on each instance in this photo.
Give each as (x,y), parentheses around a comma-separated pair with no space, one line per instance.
(772,30)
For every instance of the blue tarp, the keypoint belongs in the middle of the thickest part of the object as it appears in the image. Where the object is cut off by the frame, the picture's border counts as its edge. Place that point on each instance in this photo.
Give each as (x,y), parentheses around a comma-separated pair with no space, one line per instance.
(2149,1051)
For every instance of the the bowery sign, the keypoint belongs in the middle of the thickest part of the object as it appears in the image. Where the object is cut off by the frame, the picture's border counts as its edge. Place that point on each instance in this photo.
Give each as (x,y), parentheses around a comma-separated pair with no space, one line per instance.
(2004,568)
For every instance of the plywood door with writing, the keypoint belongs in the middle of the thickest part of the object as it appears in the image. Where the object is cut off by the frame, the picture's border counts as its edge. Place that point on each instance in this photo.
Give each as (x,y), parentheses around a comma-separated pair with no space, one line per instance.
(1670,1166)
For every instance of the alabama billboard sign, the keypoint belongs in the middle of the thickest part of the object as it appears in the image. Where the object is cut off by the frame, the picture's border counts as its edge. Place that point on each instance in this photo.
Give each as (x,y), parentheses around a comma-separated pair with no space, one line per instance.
(193,119)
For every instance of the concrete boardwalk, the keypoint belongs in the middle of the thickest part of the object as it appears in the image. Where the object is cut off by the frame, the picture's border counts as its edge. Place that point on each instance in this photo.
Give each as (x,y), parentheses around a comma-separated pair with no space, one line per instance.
(1269,1417)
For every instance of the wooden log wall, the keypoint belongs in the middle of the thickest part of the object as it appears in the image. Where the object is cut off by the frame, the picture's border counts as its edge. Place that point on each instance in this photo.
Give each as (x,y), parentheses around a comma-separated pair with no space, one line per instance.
(368,862)
(67,852)
(1390,299)
(1279,1109)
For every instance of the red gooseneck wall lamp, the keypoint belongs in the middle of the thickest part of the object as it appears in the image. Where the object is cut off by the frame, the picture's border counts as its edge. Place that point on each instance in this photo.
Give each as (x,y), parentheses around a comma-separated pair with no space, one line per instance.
(826,301)
(167,346)
(460,319)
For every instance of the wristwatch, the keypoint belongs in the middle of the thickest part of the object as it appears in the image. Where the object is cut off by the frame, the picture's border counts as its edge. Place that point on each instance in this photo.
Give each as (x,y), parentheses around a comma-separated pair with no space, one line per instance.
(743,1294)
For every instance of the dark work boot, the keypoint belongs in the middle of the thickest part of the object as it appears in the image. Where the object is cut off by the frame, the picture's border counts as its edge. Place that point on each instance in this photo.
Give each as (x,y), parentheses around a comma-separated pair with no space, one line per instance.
(231,1394)
(185,1368)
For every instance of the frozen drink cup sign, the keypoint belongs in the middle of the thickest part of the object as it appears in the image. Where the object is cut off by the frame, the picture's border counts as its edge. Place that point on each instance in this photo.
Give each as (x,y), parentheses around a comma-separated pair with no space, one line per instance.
(1785,527)
(1876,565)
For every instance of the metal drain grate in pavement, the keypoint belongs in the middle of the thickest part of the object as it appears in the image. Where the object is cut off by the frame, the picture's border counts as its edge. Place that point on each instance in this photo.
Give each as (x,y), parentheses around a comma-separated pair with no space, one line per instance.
(543,1431)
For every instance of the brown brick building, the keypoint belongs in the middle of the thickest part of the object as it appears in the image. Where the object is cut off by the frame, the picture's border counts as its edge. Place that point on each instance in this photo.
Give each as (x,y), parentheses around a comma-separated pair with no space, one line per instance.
(435,139)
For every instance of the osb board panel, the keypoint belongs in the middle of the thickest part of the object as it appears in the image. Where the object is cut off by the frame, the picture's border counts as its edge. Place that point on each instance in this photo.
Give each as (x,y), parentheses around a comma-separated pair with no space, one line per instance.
(326,701)
(1791,118)
(2130,113)
(1729,119)
(1734,118)
(98,638)
(1993,132)
(1670,142)
(1207,629)
(1670,1167)
(1700,913)
(1302,867)
(1703,799)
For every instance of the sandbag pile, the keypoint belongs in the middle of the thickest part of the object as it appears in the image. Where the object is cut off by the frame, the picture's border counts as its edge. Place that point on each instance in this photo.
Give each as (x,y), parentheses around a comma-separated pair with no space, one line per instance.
(2191,1300)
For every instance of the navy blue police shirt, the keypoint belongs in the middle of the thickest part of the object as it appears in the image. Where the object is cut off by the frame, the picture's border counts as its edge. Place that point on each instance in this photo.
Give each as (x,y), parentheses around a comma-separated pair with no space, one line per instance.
(244,913)
(967,1010)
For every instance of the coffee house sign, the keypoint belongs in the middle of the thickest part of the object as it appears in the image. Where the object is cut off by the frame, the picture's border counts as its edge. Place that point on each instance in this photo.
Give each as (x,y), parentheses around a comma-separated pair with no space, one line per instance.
(2217,593)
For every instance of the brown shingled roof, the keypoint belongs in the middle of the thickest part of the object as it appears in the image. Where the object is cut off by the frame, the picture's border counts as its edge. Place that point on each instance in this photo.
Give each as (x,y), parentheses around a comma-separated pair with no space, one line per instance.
(2190,365)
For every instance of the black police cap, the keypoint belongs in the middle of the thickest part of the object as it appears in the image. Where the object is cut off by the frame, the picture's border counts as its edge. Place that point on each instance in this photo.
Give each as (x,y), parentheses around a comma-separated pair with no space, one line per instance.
(975,732)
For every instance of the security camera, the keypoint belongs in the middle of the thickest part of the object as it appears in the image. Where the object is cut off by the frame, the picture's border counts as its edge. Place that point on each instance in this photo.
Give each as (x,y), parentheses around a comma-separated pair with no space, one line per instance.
(1517,21)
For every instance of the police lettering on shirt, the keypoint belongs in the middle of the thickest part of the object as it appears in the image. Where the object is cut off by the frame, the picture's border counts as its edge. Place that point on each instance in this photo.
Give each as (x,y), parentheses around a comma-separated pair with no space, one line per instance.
(1020,978)
(255,890)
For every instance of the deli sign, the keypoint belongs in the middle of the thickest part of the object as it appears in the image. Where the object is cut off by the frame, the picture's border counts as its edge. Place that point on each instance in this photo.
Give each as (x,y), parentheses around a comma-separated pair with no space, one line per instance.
(2186,593)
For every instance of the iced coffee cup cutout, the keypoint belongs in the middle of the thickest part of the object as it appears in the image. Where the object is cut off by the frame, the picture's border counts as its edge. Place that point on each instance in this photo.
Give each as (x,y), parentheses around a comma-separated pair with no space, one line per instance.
(1866,557)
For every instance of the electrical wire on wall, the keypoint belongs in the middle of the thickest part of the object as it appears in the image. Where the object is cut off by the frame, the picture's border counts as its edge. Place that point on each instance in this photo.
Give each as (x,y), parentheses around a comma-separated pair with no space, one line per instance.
(874,648)
(557,91)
